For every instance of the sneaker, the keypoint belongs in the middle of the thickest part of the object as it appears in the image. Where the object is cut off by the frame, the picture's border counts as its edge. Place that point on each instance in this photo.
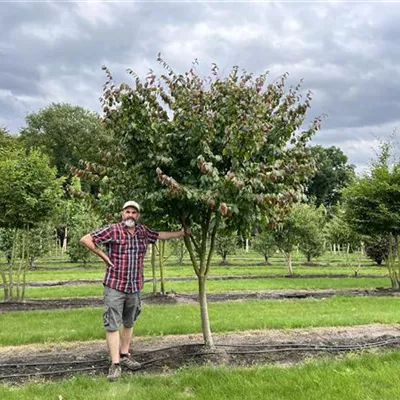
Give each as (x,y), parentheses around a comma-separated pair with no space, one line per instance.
(128,362)
(114,372)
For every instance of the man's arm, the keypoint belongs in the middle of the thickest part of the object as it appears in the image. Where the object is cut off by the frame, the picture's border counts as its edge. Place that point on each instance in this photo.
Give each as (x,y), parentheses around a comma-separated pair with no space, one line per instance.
(89,242)
(173,235)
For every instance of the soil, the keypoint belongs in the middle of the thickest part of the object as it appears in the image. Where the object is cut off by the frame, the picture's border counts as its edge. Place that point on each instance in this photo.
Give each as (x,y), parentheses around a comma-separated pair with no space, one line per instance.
(177,298)
(168,353)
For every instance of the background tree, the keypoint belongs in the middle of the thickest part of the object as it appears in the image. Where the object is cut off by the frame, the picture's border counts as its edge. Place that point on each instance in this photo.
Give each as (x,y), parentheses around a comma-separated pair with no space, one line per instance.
(29,192)
(264,243)
(296,228)
(377,248)
(83,220)
(67,134)
(312,220)
(340,235)
(372,205)
(202,150)
(332,175)
(225,244)
(7,141)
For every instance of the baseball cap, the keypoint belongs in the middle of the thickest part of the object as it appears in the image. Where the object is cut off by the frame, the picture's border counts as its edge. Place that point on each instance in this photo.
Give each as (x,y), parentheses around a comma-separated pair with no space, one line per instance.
(131,203)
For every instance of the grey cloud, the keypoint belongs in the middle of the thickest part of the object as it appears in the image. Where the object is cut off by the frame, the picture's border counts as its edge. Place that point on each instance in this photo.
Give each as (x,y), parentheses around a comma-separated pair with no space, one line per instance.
(347,53)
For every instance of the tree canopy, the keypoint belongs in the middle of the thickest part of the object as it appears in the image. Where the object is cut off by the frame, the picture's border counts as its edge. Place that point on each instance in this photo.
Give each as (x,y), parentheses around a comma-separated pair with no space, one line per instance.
(67,134)
(332,175)
(29,190)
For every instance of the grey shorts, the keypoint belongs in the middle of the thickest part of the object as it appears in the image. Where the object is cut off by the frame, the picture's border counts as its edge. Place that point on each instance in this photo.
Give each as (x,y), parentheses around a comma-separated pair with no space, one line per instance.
(120,308)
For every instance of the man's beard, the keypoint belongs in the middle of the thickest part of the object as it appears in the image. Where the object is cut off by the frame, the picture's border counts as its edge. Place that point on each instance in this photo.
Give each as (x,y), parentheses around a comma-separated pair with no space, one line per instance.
(130,223)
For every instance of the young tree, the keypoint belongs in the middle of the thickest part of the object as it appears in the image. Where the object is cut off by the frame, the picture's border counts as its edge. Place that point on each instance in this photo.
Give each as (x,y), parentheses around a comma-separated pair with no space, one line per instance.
(264,243)
(225,244)
(377,248)
(372,205)
(340,234)
(29,192)
(201,150)
(312,222)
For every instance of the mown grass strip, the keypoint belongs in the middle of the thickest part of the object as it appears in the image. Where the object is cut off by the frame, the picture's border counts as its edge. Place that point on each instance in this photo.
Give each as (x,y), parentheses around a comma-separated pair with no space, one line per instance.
(85,323)
(184,271)
(218,286)
(356,377)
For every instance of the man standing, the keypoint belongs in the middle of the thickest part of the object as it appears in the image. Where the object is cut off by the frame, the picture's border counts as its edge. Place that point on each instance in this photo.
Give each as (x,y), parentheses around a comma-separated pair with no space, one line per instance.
(126,244)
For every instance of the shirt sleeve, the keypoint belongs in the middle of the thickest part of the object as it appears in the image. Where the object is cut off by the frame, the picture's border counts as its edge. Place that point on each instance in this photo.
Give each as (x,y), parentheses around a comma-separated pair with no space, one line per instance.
(152,236)
(102,235)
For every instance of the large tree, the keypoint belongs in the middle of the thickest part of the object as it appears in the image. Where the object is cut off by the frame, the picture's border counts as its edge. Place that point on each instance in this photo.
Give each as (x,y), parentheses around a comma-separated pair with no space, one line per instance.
(332,175)
(199,150)
(67,134)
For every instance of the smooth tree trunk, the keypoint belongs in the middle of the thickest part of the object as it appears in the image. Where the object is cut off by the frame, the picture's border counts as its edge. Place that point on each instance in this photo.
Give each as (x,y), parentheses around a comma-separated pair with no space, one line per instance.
(289,263)
(161,249)
(5,286)
(153,268)
(205,319)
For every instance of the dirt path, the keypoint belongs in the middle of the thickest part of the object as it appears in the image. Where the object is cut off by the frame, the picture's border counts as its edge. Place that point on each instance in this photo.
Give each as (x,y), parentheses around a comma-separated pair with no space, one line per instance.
(167,353)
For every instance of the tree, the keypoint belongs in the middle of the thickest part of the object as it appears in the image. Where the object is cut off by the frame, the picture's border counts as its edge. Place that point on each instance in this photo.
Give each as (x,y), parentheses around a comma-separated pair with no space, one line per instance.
(372,205)
(312,221)
(7,141)
(225,244)
(204,150)
(303,228)
(332,175)
(264,243)
(67,134)
(29,192)
(340,234)
(377,249)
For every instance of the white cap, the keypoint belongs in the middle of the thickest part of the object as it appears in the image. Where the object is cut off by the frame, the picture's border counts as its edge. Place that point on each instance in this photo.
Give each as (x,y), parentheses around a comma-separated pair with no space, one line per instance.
(131,203)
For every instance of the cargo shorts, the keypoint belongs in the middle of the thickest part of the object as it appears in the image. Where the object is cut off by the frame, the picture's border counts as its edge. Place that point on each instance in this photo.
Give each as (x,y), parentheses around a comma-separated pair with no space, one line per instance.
(120,308)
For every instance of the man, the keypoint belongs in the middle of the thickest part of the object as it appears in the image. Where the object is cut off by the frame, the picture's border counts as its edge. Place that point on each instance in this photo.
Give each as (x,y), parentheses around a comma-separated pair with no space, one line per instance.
(126,244)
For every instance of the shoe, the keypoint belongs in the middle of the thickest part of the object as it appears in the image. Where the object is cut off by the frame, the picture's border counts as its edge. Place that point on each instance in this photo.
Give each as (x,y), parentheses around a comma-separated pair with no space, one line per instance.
(128,362)
(114,372)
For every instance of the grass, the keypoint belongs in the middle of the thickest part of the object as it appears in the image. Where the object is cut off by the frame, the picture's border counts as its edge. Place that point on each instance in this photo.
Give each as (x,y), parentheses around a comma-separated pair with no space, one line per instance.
(184,271)
(85,323)
(356,377)
(216,286)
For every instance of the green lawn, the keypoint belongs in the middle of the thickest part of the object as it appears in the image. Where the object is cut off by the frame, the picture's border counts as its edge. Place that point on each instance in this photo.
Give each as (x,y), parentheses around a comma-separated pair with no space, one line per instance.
(356,377)
(186,270)
(85,323)
(215,286)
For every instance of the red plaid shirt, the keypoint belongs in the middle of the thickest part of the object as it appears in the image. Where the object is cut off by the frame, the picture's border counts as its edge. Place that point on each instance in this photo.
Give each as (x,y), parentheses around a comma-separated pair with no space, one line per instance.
(126,252)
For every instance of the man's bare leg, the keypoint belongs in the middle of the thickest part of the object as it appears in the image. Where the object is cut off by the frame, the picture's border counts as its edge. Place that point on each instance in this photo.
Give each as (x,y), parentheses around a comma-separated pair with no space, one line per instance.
(126,337)
(112,339)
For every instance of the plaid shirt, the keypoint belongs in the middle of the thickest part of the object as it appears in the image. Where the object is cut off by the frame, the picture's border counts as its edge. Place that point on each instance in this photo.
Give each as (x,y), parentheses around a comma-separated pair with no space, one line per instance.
(126,252)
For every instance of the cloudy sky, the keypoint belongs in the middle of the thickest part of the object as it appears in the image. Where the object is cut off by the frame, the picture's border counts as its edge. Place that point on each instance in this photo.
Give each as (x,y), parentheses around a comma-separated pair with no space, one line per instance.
(347,53)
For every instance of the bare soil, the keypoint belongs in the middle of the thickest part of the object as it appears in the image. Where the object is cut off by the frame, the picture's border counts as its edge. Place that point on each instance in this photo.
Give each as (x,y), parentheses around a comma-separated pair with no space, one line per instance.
(168,353)
(177,298)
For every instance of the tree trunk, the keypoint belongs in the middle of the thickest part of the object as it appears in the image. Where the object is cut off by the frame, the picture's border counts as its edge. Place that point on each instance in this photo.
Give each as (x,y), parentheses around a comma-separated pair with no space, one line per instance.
(205,319)
(391,263)
(5,286)
(64,244)
(153,267)
(161,248)
(247,245)
(289,261)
